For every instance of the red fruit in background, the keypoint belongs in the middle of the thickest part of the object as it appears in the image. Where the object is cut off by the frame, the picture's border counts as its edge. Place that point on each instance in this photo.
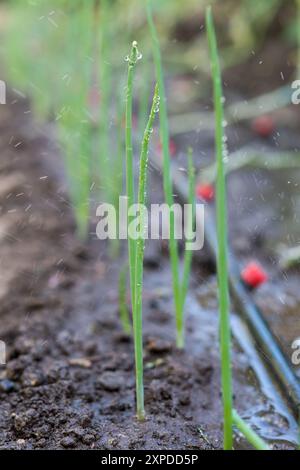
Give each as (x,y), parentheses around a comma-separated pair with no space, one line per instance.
(263,126)
(172,148)
(205,192)
(253,274)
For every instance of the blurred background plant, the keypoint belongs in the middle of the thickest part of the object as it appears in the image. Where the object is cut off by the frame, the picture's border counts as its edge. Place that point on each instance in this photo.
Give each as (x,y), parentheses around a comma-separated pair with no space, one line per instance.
(68,56)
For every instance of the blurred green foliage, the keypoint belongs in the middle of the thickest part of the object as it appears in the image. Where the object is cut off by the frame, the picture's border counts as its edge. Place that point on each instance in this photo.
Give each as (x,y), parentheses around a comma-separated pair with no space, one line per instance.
(56,52)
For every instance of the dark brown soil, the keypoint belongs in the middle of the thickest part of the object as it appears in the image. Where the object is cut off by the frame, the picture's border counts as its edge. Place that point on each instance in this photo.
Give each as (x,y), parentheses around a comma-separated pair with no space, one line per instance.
(69,377)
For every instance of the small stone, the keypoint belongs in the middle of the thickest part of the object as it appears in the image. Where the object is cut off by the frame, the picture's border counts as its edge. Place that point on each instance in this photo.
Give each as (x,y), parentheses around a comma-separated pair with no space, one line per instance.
(159,346)
(21,442)
(7,386)
(113,441)
(159,434)
(41,442)
(122,337)
(77,431)
(14,368)
(185,399)
(19,422)
(85,420)
(80,362)
(31,414)
(88,439)
(91,348)
(68,442)
(110,381)
(32,379)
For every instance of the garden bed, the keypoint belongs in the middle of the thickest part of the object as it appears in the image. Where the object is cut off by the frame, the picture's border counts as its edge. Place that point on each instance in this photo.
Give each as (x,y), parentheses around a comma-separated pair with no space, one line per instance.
(69,379)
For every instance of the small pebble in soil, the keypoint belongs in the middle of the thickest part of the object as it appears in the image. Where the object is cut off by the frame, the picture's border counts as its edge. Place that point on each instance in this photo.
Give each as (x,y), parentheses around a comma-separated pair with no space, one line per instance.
(91,348)
(185,399)
(85,420)
(122,337)
(80,362)
(15,367)
(21,442)
(77,431)
(32,379)
(159,435)
(19,422)
(88,439)
(68,442)
(112,442)
(110,381)
(159,346)
(41,443)
(105,323)
(7,386)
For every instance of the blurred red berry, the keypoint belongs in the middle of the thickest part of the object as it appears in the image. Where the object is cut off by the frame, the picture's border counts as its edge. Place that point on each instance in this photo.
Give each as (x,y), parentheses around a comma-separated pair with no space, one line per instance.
(253,274)
(205,192)
(172,148)
(263,126)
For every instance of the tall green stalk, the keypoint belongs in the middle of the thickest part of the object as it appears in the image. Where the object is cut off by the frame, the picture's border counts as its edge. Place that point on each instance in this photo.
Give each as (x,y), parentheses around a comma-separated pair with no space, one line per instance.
(110,178)
(118,164)
(222,262)
(123,309)
(139,260)
(136,246)
(75,129)
(105,84)
(144,96)
(167,181)
(132,60)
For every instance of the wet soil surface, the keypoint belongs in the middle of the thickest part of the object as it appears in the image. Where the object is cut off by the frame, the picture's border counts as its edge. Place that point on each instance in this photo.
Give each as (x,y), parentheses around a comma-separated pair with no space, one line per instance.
(69,377)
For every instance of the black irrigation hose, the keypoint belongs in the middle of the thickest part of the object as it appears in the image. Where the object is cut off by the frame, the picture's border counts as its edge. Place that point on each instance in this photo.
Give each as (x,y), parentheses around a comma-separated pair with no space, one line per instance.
(266,341)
